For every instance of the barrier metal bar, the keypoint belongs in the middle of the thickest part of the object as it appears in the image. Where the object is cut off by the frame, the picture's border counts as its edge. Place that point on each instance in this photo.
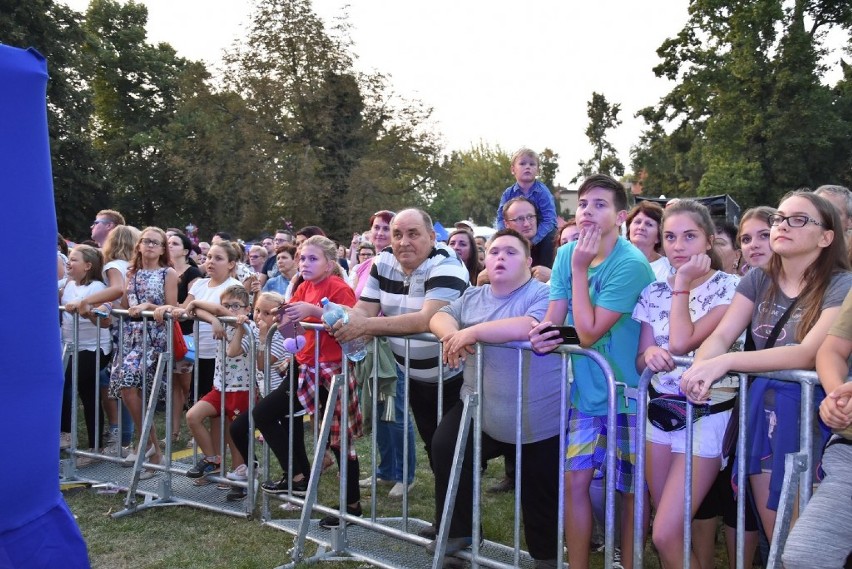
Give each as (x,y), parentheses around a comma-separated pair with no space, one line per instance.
(98,427)
(406,424)
(70,470)
(163,495)
(742,479)
(374,425)
(75,386)
(470,402)
(267,388)
(339,541)
(474,557)
(564,399)
(165,485)
(687,489)
(250,460)
(801,463)
(289,498)
(477,464)
(316,469)
(519,394)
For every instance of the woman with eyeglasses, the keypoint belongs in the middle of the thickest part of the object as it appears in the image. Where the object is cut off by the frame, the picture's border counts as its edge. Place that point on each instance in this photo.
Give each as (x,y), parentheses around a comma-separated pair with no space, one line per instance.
(788,306)
(365,254)
(151,284)
(257,258)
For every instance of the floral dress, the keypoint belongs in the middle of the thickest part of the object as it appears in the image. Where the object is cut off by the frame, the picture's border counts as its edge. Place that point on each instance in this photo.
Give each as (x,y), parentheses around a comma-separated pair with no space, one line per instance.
(143,285)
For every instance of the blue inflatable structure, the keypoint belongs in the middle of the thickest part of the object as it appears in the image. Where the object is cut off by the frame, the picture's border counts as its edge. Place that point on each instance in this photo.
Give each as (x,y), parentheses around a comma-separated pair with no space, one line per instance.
(36,528)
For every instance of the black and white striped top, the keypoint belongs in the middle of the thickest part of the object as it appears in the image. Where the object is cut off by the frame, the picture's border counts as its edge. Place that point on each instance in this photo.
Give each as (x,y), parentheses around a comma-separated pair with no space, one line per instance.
(442,276)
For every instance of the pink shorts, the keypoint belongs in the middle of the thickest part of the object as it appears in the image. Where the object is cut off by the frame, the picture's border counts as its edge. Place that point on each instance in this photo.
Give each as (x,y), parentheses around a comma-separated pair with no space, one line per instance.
(236,402)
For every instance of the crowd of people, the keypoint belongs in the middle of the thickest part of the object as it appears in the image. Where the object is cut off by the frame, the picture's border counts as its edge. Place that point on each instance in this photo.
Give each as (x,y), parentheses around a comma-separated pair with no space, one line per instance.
(771,293)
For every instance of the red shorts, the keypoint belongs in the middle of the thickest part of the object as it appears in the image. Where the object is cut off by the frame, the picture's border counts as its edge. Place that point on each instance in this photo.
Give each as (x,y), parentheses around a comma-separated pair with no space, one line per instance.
(236,402)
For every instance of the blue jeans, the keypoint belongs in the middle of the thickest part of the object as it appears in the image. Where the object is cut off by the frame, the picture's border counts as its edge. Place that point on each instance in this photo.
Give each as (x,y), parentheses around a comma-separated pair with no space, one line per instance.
(390,441)
(126,420)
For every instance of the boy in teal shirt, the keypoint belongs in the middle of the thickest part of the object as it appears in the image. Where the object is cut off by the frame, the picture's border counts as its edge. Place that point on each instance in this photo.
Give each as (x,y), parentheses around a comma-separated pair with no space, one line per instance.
(594,287)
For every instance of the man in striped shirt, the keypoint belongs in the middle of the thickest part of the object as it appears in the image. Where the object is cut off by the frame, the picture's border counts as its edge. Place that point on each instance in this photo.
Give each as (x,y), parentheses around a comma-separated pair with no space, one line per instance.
(407,286)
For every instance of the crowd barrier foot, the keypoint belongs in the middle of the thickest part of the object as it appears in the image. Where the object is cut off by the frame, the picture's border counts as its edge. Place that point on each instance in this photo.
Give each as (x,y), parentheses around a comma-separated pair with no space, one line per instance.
(162,489)
(388,552)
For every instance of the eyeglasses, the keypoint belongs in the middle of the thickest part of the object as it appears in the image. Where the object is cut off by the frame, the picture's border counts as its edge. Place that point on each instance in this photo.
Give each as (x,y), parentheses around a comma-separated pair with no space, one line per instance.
(150,242)
(254,256)
(366,254)
(103,221)
(233,305)
(792,220)
(523,218)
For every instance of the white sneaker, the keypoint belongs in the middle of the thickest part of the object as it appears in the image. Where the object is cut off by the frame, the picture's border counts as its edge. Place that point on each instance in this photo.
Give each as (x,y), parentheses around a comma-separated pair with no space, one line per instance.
(130,459)
(64,441)
(367,482)
(398,489)
(240,473)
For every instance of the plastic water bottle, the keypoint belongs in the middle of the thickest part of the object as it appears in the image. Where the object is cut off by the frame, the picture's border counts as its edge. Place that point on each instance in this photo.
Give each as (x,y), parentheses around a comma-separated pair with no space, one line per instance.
(356,349)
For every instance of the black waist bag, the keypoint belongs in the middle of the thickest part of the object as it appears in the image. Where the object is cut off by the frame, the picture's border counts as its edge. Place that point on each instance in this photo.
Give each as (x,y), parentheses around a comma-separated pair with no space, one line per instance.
(668,412)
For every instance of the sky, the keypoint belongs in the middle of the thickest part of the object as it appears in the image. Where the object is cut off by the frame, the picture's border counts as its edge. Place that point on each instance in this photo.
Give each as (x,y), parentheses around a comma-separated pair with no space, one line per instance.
(509,74)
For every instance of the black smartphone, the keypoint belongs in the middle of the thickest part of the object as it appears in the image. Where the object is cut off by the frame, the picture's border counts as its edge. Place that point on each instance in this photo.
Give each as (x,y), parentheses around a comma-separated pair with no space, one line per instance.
(567,333)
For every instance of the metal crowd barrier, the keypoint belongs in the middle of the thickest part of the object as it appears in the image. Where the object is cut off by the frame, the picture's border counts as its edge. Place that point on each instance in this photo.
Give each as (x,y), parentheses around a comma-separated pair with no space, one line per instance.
(798,474)
(362,537)
(171,486)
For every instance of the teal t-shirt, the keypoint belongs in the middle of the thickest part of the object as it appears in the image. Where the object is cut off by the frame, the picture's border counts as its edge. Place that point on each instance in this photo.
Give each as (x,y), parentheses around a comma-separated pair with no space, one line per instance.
(615,285)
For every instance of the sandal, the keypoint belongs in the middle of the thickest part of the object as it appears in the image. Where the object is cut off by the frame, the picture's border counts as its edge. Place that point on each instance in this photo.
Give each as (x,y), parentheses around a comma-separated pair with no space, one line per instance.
(149,473)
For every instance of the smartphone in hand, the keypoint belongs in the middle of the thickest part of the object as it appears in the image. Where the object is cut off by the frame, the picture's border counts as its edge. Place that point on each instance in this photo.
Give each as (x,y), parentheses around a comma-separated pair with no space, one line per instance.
(567,333)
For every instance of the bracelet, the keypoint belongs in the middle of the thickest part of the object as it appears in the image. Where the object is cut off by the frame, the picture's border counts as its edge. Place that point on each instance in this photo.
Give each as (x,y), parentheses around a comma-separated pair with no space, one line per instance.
(677,292)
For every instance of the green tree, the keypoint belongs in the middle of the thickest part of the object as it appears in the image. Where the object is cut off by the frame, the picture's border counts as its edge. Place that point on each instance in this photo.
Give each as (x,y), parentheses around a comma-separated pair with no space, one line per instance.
(336,140)
(135,96)
(212,152)
(472,183)
(548,167)
(749,115)
(603,117)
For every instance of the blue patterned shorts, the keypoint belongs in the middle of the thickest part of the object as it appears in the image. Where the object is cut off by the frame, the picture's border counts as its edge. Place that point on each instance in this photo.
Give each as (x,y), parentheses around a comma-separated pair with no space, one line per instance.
(587,445)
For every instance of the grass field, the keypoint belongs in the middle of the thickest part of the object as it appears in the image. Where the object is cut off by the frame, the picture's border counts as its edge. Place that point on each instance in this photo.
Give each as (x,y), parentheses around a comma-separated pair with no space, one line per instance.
(180,536)
(185,537)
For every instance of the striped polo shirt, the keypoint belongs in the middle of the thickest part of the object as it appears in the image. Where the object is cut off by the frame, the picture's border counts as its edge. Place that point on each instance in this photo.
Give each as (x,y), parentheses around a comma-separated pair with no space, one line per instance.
(440,277)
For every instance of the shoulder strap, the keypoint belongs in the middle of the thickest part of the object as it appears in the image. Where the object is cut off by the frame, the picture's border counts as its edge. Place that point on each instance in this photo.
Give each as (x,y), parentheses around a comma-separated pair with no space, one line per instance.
(776,331)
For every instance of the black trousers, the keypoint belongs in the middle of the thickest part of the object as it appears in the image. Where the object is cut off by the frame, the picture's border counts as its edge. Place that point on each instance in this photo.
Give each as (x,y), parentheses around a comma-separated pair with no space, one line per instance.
(87,383)
(271,417)
(539,483)
(206,371)
(423,398)
(353,467)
